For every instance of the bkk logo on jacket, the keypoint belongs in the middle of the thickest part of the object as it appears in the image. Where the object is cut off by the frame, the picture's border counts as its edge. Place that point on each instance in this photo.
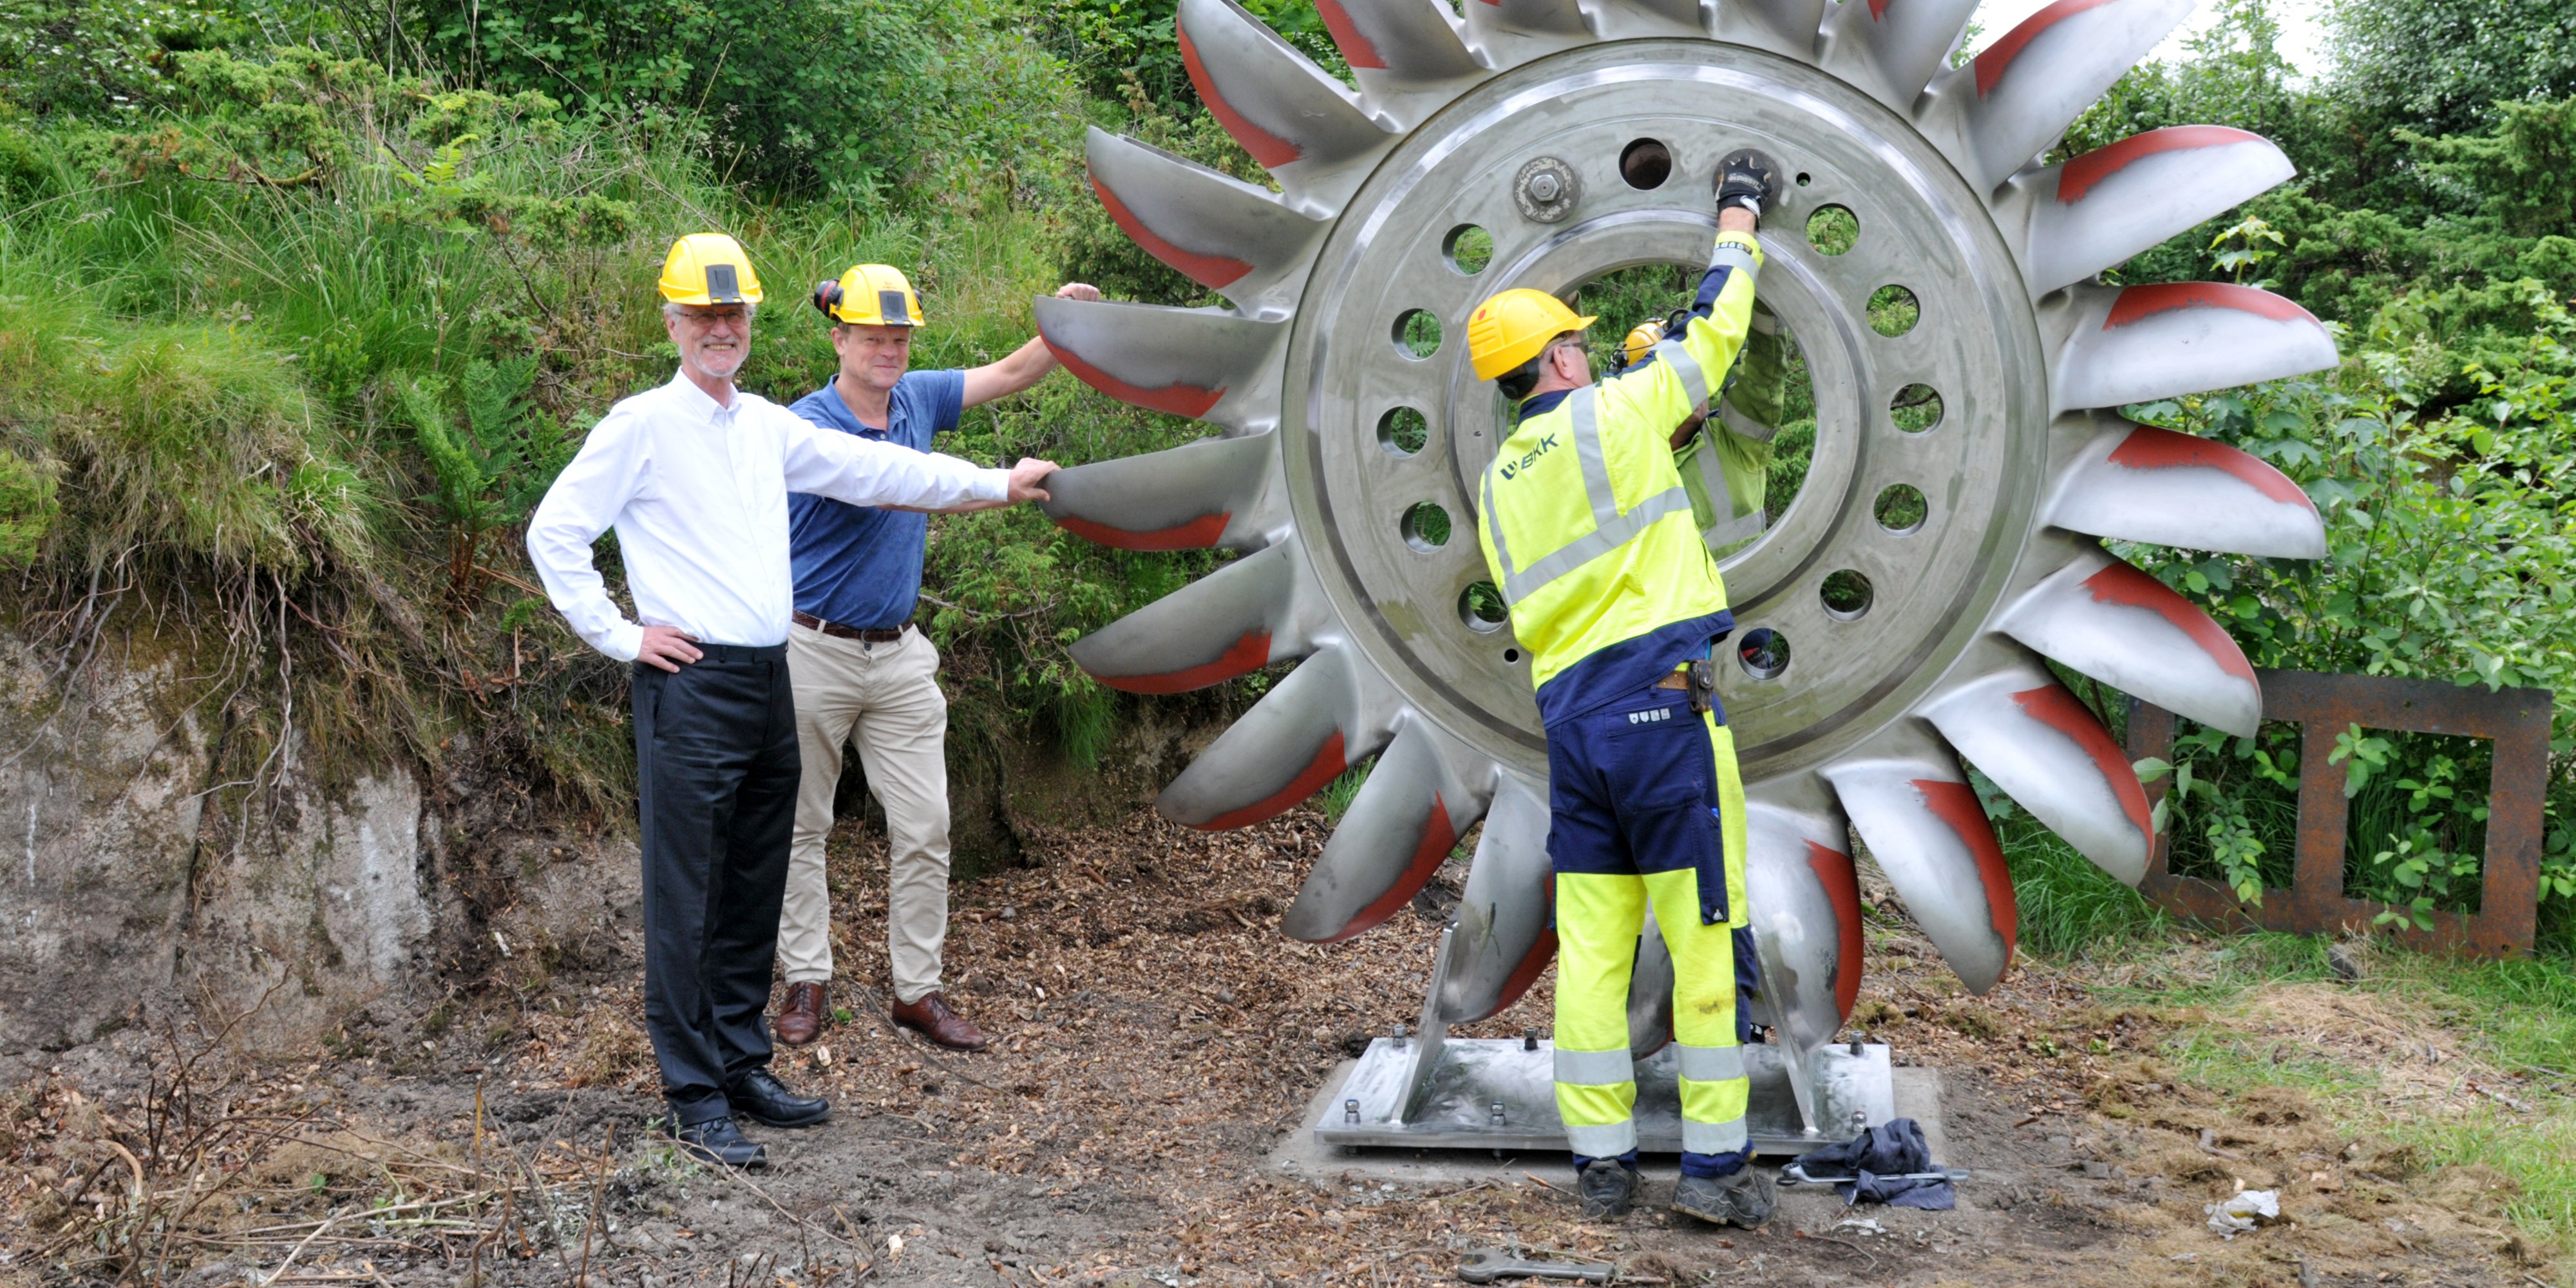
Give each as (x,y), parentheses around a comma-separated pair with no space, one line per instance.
(1511,468)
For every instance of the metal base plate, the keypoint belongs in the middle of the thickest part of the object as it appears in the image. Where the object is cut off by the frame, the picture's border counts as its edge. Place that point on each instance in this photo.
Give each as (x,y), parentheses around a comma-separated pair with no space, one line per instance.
(1455,1108)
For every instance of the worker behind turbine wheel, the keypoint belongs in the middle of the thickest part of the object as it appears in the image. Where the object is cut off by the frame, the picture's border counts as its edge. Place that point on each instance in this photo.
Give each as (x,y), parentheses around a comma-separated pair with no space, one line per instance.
(1589,531)
(1725,469)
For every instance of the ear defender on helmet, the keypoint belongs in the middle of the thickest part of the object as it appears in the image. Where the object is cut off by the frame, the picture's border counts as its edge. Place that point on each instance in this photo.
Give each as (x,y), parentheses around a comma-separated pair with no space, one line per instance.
(870,295)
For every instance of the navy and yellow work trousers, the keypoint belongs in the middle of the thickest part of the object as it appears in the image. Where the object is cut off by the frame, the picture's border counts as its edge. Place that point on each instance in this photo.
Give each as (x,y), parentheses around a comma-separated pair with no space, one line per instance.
(1641,792)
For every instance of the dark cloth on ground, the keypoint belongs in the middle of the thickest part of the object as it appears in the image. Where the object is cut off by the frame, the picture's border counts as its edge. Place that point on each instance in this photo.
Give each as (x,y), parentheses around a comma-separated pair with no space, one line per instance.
(717,769)
(1876,1156)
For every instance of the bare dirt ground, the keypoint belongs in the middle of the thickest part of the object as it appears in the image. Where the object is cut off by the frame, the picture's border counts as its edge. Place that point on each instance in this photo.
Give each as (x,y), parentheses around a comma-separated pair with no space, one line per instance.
(1155,1037)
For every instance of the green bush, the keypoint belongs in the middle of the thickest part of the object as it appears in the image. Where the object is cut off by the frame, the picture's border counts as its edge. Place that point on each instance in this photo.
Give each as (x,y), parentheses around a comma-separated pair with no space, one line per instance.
(2450,559)
(863,100)
(101,55)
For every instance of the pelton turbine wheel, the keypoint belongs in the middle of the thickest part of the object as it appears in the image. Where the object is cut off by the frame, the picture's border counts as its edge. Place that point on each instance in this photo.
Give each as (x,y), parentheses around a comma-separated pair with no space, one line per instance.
(1513,119)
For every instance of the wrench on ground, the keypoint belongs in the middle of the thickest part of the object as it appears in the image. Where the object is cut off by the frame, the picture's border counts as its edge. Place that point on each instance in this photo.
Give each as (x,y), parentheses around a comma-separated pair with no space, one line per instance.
(1489,1265)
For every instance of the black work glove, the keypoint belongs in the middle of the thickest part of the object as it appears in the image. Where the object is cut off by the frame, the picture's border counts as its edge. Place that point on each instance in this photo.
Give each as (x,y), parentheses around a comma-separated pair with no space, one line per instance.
(1747,178)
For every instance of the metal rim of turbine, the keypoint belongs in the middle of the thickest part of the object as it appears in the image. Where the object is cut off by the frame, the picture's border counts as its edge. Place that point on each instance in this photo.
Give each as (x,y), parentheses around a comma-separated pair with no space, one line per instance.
(2028,467)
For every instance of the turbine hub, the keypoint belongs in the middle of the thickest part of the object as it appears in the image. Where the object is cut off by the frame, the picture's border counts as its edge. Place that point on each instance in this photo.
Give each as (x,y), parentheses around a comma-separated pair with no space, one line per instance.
(1379,342)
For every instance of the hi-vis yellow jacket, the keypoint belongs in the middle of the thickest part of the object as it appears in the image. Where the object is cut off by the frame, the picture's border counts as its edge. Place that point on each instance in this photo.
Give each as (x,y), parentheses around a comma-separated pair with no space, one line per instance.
(1582,515)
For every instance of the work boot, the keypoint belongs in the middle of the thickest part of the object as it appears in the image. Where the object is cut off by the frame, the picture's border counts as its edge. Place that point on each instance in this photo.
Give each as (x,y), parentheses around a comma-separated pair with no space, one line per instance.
(931,1018)
(719,1142)
(1607,1188)
(762,1098)
(800,1019)
(1745,1199)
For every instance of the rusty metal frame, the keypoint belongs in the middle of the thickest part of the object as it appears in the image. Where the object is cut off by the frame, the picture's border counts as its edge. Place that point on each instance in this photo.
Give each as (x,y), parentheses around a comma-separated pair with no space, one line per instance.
(2324,705)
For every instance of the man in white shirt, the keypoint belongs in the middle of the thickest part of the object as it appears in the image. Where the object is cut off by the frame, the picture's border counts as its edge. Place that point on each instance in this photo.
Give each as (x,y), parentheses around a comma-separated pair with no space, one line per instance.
(694,477)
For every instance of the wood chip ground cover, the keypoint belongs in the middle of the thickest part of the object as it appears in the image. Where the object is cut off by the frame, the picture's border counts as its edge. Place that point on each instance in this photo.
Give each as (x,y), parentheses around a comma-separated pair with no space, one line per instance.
(1154,1038)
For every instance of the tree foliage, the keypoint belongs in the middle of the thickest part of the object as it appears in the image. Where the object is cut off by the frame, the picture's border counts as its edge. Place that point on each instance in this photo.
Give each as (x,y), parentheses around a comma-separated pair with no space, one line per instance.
(855,99)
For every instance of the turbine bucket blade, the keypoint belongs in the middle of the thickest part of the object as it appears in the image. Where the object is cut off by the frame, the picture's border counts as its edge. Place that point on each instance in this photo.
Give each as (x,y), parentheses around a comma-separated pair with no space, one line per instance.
(1504,935)
(1398,44)
(2028,733)
(2140,483)
(2110,621)
(2135,344)
(1928,832)
(1212,228)
(1638,19)
(2031,84)
(1400,828)
(1650,993)
(1805,893)
(1192,497)
(1893,48)
(1282,751)
(1232,622)
(1782,26)
(1525,18)
(2111,203)
(1206,364)
(1284,110)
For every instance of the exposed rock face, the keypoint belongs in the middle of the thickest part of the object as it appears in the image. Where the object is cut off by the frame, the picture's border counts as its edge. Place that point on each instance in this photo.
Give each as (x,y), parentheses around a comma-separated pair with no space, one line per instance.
(163,856)
(145,877)
(103,793)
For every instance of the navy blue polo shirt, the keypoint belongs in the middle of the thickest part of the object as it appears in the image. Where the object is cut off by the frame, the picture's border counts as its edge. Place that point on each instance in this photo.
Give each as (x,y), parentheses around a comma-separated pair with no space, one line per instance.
(859,565)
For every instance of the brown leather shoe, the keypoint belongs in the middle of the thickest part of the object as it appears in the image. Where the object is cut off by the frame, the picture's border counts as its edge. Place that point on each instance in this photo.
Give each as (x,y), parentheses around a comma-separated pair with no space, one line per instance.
(931,1018)
(800,1020)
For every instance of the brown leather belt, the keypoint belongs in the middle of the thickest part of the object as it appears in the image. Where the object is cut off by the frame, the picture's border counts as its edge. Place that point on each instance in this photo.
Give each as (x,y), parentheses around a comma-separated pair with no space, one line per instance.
(864,635)
(1675,680)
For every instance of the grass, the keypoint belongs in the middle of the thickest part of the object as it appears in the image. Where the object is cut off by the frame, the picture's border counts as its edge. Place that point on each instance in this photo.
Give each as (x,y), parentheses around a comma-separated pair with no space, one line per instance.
(2070,908)
(2517,1017)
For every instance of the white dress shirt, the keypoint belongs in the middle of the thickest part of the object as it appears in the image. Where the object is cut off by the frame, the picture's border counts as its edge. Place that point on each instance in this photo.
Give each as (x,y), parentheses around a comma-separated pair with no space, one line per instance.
(698,495)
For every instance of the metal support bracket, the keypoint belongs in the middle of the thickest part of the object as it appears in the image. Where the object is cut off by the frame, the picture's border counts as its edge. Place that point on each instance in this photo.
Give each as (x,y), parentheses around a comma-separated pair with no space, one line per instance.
(2516,720)
(1500,1093)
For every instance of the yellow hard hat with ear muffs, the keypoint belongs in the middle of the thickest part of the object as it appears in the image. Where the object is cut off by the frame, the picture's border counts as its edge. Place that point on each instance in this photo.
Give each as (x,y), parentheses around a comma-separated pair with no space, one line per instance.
(709,268)
(1514,327)
(870,295)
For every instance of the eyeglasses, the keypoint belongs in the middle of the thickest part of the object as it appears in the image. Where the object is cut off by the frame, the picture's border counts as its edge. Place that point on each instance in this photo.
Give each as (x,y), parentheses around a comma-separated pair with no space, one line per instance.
(727,315)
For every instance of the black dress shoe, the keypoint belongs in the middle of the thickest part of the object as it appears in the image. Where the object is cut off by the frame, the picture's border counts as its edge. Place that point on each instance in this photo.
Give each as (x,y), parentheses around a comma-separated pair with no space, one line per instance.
(762,1098)
(718,1141)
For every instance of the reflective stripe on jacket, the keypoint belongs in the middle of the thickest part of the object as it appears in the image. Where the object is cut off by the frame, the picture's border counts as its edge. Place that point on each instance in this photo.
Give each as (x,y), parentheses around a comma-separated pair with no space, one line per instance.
(1582,515)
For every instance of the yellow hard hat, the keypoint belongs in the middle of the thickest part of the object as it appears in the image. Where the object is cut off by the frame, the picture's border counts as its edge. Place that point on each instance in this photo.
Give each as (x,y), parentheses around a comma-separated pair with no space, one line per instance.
(870,295)
(709,268)
(1512,327)
(1633,349)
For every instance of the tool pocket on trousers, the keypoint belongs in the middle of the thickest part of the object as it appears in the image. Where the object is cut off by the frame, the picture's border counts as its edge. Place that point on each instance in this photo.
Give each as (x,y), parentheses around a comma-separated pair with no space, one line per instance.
(1659,758)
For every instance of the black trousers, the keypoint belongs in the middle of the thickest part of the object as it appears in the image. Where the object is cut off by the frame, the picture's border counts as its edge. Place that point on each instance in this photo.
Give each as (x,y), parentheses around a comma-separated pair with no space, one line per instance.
(715,756)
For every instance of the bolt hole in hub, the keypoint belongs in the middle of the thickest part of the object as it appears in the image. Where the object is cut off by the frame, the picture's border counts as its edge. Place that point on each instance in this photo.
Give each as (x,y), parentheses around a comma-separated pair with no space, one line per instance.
(1899,508)
(1417,333)
(1763,653)
(1586,174)
(1402,431)
(1468,249)
(1426,527)
(1915,409)
(1846,595)
(1645,164)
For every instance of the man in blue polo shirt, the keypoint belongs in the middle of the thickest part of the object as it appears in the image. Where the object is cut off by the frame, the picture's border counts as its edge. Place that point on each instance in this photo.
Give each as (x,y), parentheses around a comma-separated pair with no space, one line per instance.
(861,672)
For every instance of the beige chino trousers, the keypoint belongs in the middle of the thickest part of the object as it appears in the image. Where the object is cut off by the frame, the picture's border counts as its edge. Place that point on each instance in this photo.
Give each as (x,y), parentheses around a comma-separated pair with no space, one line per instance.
(885,698)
